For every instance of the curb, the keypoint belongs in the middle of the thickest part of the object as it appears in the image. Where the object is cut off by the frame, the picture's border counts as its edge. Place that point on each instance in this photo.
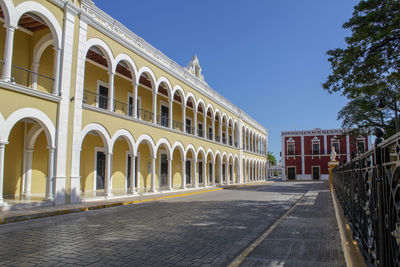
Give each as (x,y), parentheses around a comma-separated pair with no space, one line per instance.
(352,253)
(39,215)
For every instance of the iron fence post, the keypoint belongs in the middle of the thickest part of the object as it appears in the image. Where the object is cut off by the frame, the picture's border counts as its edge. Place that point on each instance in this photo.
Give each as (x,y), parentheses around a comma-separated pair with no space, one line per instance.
(378,181)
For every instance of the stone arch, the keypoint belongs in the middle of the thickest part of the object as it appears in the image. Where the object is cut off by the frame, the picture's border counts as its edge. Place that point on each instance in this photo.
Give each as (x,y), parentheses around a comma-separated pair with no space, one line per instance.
(201,102)
(33,135)
(149,141)
(131,65)
(8,9)
(30,113)
(212,154)
(99,129)
(165,142)
(191,148)
(40,46)
(193,99)
(178,145)
(125,134)
(43,13)
(165,81)
(148,71)
(105,49)
(202,151)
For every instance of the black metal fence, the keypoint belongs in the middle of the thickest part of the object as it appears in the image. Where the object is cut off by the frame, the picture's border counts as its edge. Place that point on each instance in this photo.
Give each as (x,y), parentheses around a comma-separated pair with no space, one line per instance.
(368,190)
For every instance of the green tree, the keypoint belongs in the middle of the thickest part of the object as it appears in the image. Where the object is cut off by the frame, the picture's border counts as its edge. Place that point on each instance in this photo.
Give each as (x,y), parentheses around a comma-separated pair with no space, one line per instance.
(367,71)
(271,158)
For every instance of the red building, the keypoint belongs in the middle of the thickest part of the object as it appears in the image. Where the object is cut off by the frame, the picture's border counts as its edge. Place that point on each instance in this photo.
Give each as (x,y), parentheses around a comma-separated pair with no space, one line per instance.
(305,154)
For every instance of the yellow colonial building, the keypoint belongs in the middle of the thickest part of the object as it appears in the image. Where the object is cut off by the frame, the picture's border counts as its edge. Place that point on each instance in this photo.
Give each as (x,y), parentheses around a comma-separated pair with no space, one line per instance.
(89,110)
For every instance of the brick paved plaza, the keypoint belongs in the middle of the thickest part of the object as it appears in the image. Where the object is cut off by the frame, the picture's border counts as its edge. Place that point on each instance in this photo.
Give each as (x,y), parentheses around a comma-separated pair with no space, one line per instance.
(209,229)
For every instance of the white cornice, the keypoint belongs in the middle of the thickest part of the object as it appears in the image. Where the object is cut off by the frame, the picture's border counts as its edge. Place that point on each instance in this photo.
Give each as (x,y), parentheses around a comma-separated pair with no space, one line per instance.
(100,20)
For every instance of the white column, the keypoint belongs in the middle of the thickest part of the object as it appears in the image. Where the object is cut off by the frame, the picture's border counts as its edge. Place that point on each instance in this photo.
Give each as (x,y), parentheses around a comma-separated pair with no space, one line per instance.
(183,186)
(133,175)
(111,91)
(28,156)
(213,173)
(50,175)
(134,100)
(195,123)
(206,172)
(57,67)
(153,174)
(221,178)
(348,147)
(108,186)
(169,174)
(154,107)
(196,175)
(227,134)
(2,149)
(35,70)
(170,113)
(205,128)
(227,173)
(220,130)
(8,53)
(213,129)
(183,118)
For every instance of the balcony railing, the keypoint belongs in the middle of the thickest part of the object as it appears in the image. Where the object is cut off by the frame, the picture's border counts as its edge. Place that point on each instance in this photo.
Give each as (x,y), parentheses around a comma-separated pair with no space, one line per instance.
(29,78)
(162,120)
(236,144)
(189,129)
(95,100)
(200,133)
(145,115)
(177,125)
(367,188)
(122,108)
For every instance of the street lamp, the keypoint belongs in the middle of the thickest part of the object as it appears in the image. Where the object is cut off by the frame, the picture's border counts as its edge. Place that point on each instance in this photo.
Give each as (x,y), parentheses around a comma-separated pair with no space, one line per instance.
(381,106)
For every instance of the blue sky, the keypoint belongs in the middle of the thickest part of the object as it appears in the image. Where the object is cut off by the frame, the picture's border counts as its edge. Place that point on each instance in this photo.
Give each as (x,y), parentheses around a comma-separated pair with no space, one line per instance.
(267,57)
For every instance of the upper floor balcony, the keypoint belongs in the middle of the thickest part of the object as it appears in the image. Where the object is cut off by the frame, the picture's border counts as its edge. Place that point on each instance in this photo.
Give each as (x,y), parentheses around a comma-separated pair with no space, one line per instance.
(30,52)
(154,101)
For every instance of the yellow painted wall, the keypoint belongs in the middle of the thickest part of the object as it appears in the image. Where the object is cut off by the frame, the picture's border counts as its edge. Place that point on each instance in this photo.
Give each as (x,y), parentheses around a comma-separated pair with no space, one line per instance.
(177,111)
(13,161)
(143,175)
(119,164)
(46,68)
(40,165)
(8,107)
(22,57)
(87,161)
(147,98)
(176,170)
(122,87)
(92,75)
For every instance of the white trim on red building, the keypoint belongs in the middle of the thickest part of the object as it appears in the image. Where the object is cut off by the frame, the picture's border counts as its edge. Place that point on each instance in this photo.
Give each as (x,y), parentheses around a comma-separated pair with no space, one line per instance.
(312,148)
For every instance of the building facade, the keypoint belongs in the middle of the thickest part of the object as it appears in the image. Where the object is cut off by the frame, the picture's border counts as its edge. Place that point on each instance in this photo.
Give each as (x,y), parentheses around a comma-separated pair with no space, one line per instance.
(305,154)
(90,110)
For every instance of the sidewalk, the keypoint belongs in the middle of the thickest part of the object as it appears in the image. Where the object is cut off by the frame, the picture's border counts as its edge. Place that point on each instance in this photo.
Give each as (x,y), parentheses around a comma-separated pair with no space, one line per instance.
(17,215)
(307,236)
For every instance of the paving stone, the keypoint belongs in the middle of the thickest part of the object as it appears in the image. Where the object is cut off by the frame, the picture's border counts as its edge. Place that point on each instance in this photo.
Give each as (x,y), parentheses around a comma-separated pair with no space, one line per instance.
(208,229)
